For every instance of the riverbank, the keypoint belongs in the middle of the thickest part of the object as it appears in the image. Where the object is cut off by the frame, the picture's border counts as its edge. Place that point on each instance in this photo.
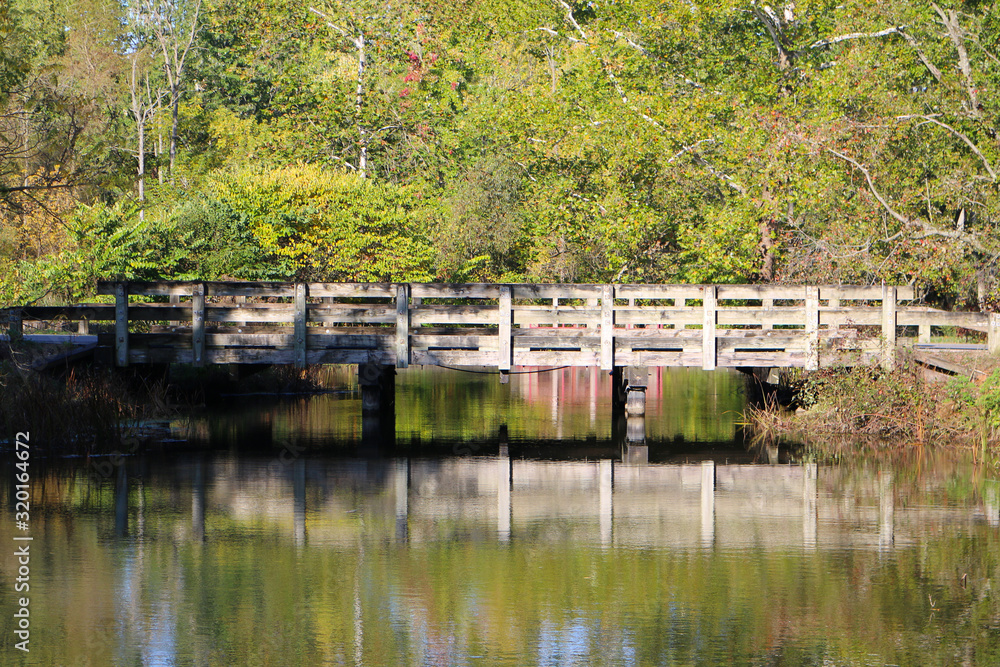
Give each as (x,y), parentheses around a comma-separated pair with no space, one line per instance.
(907,405)
(85,410)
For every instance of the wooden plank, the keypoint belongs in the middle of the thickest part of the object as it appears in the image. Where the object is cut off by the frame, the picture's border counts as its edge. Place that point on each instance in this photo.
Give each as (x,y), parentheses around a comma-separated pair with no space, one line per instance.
(433,314)
(727,292)
(763,359)
(455,291)
(687,358)
(923,333)
(402,325)
(863,292)
(355,314)
(454,357)
(506,320)
(561,333)
(253,289)
(607,327)
(549,342)
(888,326)
(654,315)
(799,343)
(300,339)
(660,292)
(566,291)
(94,312)
(812,328)
(383,357)
(550,358)
(937,363)
(353,290)
(942,318)
(121,324)
(708,351)
(198,324)
(850,316)
(993,334)
(285,341)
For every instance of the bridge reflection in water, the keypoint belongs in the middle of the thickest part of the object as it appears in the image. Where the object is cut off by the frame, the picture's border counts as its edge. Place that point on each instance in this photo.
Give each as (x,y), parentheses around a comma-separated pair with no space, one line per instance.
(606,502)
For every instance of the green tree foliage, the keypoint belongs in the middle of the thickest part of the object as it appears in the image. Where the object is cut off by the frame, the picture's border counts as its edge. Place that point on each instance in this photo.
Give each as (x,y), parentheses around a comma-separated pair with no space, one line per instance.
(817,141)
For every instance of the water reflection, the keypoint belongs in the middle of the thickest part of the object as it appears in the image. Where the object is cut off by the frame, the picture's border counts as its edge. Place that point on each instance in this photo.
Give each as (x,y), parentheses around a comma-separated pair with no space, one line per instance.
(498,560)
(292,542)
(461,412)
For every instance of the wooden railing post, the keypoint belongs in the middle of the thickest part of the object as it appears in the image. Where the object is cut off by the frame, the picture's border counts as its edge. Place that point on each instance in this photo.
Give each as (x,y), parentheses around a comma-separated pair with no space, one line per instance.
(888,327)
(198,324)
(812,328)
(301,291)
(15,323)
(121,324)
(402,325)
(505,332)
(608,328)
(993,333)
(767,305)
(708,345)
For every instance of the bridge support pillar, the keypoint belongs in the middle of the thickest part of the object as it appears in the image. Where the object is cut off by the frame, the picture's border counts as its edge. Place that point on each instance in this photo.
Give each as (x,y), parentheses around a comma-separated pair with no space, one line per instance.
(378,387)
(378,403)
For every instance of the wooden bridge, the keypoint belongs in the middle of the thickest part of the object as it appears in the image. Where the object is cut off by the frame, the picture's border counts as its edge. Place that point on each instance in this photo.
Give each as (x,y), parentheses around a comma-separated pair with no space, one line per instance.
(499,326)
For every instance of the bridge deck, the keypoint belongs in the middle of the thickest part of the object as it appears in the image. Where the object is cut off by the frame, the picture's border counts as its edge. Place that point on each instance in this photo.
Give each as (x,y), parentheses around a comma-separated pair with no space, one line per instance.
(503,326)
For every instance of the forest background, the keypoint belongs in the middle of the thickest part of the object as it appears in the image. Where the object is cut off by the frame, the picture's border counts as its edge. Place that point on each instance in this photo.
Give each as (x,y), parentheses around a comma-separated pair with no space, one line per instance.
(480,140)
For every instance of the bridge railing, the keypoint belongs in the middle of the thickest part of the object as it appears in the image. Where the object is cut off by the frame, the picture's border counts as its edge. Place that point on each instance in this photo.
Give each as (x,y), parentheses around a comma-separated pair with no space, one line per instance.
(506,325)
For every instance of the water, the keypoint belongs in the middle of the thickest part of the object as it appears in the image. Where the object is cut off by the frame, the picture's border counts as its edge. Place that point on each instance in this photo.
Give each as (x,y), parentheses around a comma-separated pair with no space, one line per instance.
(269,548)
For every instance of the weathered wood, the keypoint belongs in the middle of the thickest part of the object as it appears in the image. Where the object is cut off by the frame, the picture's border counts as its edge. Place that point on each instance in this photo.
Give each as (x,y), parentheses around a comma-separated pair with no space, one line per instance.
(402,326)
(812,327)
(456,291)
(708,360)
(993,334)
(657,292)
(473,329)
(454,357)
(862,292)
(121,324)
(15,323)
(198,324)
(888,326)
(727,292)
(687,358)
(453,315)
(608,328)
(354,314)
(300,340)
(942,318)
(353,290)
(475,342)
(506,319)
(924,333)
(574,291)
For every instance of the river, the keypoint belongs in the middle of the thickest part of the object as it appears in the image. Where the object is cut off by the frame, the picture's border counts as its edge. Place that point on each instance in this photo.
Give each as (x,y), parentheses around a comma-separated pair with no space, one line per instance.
(502,525)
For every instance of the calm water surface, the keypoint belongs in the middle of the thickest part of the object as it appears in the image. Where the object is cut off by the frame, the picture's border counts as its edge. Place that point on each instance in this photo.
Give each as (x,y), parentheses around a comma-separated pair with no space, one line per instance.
(504,526)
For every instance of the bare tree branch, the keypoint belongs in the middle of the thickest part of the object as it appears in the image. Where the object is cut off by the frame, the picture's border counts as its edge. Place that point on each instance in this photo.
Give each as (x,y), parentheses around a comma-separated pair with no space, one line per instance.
(572,19)
(871,186)
(925,230)
(855,35)
(963,137)
(957,35)
(912,41)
